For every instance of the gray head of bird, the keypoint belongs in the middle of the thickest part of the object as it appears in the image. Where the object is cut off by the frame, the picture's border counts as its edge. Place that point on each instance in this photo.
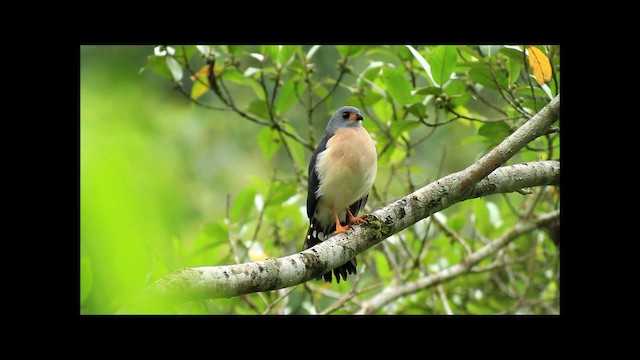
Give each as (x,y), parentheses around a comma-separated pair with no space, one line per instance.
(346,116)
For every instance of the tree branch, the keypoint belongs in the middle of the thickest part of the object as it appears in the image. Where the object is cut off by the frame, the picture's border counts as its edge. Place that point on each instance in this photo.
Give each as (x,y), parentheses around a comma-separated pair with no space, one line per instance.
(232,280)
(392,293)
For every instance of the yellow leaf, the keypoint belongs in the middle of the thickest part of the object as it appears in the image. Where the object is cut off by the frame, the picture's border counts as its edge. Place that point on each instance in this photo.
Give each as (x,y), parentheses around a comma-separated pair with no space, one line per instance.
(204,71)
(199,87)
(218,69)
(540,64)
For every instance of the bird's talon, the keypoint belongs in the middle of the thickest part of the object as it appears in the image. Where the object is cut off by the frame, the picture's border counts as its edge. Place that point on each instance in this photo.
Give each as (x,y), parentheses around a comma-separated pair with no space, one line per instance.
(341,229)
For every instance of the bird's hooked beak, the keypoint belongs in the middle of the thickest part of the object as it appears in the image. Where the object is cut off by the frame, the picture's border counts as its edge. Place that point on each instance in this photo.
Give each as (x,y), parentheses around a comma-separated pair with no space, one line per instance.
(355,117)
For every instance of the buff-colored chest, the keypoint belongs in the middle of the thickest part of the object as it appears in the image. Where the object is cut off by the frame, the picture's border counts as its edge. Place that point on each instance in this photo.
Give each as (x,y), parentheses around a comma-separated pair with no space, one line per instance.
(346,168)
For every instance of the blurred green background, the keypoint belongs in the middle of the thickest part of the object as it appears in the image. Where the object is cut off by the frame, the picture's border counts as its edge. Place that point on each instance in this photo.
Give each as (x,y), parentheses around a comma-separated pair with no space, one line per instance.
(154,169)
(163,181)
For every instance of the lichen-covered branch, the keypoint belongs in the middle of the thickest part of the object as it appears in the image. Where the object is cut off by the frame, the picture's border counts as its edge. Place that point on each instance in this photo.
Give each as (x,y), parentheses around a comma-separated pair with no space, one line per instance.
(484,177)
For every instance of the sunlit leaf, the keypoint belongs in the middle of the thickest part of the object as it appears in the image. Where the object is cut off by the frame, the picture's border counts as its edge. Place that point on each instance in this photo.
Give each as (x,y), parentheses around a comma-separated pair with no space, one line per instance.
(204,49)
(285,54)
(489,50)
(350,50)
(312,51)
(269,142)
(287,97)
(443,61)
(540,65)
(398,87)
(257,56)
(175,68)
(383,110)
(425,65)
(250,71)
(512,53)
(270,51)
(242,205)
(199,87)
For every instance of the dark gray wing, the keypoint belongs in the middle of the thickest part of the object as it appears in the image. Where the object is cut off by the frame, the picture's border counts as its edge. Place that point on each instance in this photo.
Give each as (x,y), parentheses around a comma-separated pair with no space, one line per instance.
(313,181)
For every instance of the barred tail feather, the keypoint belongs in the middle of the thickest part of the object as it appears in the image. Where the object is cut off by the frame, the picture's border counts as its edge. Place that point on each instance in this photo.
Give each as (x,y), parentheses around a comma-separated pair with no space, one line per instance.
(315,235)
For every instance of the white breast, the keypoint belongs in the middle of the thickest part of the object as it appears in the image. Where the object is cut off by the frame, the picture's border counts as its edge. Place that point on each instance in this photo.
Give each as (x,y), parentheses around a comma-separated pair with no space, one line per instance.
(346,170)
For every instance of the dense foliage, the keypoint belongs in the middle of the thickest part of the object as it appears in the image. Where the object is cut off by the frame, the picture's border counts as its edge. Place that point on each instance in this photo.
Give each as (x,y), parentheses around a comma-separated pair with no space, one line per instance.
(224,181)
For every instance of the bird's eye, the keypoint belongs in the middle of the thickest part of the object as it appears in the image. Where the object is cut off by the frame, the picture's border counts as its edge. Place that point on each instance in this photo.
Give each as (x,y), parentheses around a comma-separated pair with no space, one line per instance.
(345,115)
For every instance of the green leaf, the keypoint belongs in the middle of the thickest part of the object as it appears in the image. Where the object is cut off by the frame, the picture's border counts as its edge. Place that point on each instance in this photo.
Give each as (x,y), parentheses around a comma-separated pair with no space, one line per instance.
(175,68)
(481,213)
(427,90)
(425,65)
(287,97)
(482,75)
(350,50)
(242,205)
(269,142)
(494,132)
(370,72)
(472,139)
(418,109)
(184,51)
(234,76)
(216,231)
(512,54)
(297,149)
(270,51)
(251,71)
(489,50)
(401,126)
(198,89)
(397,86)
(286,52)
(280,192)
(443,62)
(259,107)
(403,52)
(525,91)
(514,67)
(158,65)
(235,49)
(370,98)
(383,110)
(257,89)
(458,92)
(86,278)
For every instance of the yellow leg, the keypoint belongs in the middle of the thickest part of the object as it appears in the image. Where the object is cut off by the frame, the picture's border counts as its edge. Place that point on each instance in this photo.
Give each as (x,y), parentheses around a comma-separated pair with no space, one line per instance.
(339,228)
(353,219)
